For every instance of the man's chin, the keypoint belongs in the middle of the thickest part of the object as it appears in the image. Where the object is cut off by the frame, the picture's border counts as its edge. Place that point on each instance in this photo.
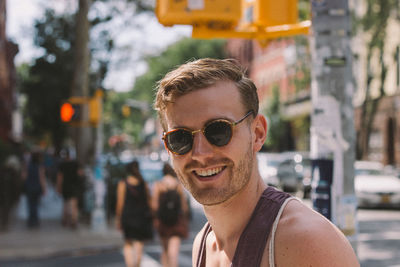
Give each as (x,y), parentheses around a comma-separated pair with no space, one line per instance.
(212,198)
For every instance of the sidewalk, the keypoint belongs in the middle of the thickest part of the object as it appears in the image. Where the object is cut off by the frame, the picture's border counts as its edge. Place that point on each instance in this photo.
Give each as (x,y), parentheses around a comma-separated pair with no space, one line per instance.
(52,240)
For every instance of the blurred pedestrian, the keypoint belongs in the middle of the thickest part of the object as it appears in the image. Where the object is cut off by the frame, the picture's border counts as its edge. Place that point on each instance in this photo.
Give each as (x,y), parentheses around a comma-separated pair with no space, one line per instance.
(10,188)
(34,187)
(133,214)
(171,206)
(70,183)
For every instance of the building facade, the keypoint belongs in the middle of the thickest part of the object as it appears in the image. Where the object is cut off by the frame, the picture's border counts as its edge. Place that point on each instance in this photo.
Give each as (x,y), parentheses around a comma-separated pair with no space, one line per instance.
(8,50)
(278,66)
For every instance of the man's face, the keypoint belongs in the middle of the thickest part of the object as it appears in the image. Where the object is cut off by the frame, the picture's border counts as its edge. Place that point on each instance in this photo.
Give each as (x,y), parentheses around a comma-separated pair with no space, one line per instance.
(212,174)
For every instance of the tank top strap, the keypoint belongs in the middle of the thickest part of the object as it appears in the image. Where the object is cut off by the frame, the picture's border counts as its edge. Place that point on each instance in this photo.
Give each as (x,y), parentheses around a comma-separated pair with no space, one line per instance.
(252,242)
(273,231)
(201,257)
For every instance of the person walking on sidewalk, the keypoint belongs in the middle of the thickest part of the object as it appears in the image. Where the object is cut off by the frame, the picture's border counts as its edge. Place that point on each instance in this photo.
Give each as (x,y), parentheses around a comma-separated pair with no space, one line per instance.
(34,187)
(208,109)
(70,182)
(170,205)
(133,214)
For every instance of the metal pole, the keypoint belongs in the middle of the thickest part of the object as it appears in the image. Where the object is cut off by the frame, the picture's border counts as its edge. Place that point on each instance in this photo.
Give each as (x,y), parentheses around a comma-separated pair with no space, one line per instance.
(332,125)
(98,220)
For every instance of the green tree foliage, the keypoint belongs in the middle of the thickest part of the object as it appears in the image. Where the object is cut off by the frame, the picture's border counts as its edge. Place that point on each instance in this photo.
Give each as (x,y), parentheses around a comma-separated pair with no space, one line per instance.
(374,22)
(176,54)
(278,136)
(46,83)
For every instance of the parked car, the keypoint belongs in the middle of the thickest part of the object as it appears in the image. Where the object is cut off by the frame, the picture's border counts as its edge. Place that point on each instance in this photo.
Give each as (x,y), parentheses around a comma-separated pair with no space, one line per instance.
(374,187)
(268,167)
(151,170)
(302,166)
(288,177)
(278,170)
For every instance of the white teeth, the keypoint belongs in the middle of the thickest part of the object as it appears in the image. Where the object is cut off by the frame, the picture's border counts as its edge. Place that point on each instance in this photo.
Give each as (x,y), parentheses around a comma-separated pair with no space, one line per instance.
(209,172)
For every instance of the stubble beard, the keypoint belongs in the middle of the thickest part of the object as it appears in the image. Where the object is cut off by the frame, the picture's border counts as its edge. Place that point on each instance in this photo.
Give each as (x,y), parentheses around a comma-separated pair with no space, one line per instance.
(239,178)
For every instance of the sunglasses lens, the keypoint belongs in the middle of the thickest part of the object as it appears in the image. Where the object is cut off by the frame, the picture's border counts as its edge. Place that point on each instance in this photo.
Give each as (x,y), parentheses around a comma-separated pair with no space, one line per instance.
(179,141)
(218,133)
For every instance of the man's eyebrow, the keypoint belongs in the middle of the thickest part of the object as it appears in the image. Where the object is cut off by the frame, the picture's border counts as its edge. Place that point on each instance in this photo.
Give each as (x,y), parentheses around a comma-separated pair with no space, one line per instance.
(205,123)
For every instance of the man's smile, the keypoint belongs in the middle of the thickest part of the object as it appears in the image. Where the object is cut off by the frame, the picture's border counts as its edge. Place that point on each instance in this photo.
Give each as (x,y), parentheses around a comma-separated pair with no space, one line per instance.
(205,173)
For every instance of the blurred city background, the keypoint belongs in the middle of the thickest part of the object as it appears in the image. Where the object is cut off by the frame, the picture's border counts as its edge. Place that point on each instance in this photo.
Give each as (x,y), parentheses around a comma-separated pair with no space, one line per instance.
(79,77)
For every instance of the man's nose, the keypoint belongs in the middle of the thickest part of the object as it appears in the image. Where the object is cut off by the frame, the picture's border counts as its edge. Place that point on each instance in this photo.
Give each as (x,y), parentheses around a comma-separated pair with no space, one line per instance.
(201,147)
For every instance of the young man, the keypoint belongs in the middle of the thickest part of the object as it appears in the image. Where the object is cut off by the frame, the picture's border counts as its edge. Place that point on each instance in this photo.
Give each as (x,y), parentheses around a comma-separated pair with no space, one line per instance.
(209,112)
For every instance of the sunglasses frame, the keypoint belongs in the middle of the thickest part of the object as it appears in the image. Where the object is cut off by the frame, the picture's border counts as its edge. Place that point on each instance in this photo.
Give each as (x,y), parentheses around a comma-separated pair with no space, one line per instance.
(230,123)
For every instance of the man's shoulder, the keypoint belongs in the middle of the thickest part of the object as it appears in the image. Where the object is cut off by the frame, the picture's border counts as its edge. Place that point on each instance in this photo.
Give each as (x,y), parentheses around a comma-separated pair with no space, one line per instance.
(297,219)
(305,236)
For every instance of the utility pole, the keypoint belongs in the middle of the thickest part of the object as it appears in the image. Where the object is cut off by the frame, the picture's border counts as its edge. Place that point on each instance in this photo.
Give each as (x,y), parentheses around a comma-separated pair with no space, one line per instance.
(98,216)
(80,82)
(332,121)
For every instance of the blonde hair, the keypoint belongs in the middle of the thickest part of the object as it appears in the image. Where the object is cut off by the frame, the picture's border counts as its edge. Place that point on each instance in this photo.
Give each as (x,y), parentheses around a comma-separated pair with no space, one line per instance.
(201,74)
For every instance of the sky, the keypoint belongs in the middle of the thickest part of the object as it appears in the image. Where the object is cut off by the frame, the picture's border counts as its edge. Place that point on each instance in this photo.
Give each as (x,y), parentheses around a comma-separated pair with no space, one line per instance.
(131,44)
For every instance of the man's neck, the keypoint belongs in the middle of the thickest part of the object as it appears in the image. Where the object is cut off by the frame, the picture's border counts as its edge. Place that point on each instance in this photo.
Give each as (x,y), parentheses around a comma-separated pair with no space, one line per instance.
(229,219)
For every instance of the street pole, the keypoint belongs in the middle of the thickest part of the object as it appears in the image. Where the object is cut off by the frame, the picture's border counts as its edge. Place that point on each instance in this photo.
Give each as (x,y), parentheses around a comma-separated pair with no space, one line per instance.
(98,216)
(332,121)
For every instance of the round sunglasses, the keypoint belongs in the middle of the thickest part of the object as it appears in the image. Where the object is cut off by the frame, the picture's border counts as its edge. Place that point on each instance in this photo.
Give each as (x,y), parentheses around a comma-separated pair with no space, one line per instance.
(217,132)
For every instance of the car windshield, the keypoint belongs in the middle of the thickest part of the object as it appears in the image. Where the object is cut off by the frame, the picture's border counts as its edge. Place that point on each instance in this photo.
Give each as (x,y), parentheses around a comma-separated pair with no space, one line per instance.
(368,172)
(273,163)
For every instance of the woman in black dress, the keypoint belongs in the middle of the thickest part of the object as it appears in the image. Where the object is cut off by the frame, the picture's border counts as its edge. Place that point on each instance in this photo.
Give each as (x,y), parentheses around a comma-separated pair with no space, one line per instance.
(133,214)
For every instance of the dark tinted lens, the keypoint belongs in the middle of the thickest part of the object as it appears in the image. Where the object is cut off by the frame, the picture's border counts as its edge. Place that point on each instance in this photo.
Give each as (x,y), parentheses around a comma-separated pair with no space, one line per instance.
(179,141)
(218,133)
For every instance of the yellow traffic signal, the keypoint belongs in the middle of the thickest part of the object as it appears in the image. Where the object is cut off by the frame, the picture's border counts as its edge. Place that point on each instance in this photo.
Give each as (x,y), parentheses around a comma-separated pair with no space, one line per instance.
(267,13)
(222,13)
(126,111)
(96,107)
(251,19)
(94,110)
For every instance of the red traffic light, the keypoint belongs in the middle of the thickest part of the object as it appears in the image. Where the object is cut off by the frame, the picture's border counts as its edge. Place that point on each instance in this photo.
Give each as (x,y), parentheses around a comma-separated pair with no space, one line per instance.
(66,112)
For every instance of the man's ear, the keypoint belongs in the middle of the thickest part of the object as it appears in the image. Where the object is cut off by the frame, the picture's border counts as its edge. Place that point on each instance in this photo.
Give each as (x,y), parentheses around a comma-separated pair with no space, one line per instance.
(259,132)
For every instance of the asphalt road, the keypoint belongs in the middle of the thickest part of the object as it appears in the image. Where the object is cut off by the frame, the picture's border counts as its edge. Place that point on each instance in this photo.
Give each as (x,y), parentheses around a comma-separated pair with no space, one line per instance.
(379,238)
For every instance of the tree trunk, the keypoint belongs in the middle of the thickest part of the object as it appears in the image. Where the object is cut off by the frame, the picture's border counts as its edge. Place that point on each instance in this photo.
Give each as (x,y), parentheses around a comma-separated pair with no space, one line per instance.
(370,107)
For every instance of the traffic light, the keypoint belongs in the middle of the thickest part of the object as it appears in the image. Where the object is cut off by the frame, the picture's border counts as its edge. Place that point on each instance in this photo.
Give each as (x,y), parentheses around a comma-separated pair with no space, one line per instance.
(126,111)
(266,13)
(251,19)
(71,112)
(95,108)
(83,111)
(221,12)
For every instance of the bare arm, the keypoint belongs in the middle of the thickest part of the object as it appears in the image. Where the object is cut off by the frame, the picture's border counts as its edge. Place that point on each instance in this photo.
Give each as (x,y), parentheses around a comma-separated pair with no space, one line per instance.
(120,203)
(60,178)
(184,202)
(306,238)
(149,198)
(155,196)
(42,178)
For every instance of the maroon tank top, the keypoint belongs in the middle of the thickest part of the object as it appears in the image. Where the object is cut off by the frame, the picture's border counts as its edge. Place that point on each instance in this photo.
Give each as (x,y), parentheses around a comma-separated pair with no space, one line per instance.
(251,245)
